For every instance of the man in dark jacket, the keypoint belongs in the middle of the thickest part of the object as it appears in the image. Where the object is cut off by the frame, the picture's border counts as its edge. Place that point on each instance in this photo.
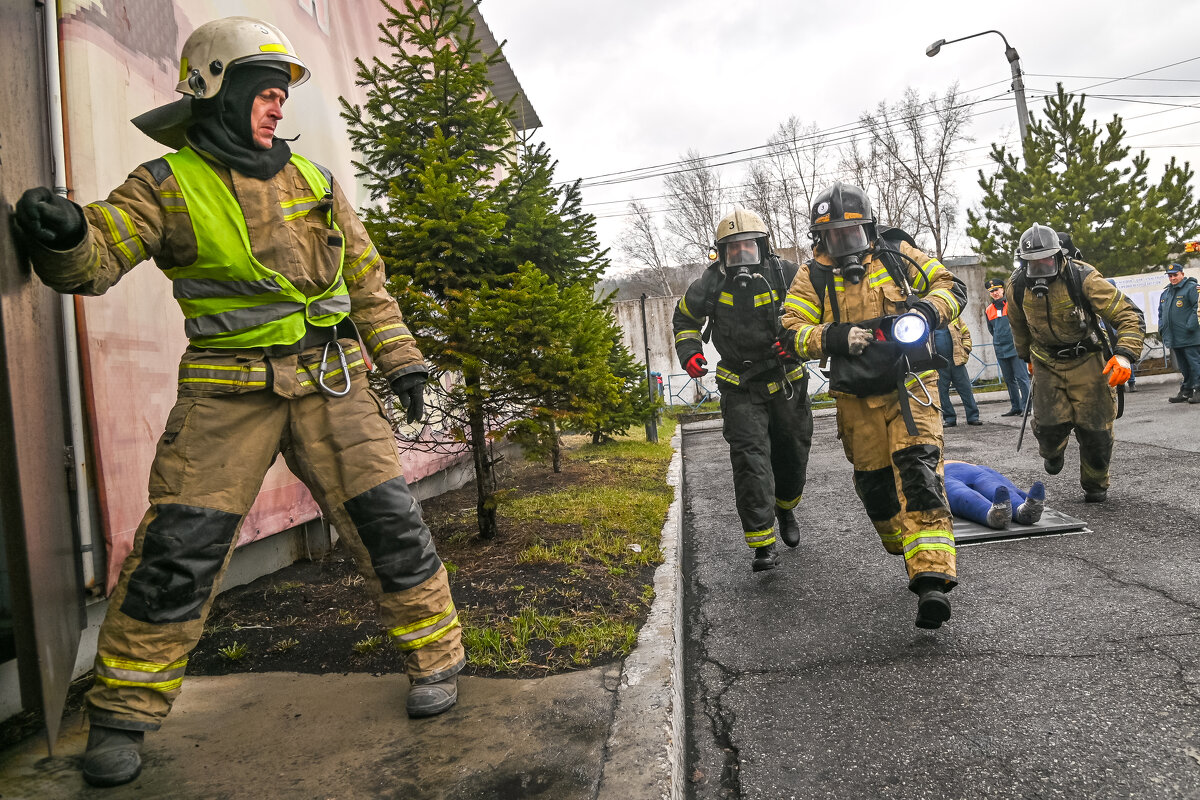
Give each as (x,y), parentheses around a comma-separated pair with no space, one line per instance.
(764,397)
(1179,326)
(1016,375)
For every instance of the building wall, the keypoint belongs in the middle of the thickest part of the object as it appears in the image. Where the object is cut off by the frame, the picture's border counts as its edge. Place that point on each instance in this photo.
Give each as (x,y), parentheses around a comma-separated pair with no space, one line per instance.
(121,58)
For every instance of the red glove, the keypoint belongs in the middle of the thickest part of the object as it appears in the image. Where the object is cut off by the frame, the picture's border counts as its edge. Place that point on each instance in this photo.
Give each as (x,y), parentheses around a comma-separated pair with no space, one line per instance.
(695,365)
(785,345)
(1120,368)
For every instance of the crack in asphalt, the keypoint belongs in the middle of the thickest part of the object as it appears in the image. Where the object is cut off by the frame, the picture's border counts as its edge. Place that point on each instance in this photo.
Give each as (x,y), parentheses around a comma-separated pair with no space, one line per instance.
(721,720)
(1112,576)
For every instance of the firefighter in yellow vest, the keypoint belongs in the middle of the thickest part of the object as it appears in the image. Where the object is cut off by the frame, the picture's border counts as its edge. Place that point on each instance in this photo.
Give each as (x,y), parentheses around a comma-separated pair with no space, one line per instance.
(277,279)
(870,300)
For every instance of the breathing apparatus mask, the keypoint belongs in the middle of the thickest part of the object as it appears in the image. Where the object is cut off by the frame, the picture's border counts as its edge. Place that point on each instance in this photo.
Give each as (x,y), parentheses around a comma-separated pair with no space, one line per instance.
(1041,272)
(843,224)
(742,255)
(1041,253)
(846,246)
(741,246)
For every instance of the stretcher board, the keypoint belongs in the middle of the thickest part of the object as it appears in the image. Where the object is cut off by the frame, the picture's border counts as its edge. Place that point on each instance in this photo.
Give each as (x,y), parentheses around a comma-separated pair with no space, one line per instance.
(1052,522)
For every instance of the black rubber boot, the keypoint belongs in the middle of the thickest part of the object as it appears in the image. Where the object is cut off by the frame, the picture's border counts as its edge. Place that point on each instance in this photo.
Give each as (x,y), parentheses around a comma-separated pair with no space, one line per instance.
(1054,465)
(1095,495)
(933,607)
(789,530)
(1183,396)
(765,558)
(431,699)
(113,756)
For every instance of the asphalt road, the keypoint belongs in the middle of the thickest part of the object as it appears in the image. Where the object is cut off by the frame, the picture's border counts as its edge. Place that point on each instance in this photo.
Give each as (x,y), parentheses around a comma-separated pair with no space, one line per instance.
(1070,668)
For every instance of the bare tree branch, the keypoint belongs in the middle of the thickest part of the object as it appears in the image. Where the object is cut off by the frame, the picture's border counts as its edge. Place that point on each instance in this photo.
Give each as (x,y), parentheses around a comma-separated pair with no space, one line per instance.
(696,198)
(643,245)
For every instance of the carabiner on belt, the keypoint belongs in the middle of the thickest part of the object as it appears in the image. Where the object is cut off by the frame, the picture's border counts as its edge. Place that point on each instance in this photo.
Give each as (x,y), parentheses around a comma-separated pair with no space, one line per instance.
(341,365)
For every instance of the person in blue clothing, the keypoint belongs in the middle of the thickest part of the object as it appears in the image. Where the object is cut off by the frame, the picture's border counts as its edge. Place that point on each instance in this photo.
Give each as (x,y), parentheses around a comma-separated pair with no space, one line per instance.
(982,495)
(1014,370)
(953,342)
(1179,327)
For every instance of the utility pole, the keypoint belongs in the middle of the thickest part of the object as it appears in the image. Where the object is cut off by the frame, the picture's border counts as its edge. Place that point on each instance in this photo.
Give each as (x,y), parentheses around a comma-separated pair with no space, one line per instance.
(652,422)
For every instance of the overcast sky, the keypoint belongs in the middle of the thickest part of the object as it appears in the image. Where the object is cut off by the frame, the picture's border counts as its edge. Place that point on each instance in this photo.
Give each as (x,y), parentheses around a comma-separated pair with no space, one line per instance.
(621,84)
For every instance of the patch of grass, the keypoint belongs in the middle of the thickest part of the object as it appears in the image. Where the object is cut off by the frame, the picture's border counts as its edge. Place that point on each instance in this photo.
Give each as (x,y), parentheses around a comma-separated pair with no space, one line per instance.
(346,617)
(367,645)
(505,645)
(285,644)
(212,628)
(611,517)
(234,652)
(594,636)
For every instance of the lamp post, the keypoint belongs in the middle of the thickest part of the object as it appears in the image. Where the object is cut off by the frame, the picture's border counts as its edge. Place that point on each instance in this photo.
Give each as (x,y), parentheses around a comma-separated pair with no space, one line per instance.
(1014,63)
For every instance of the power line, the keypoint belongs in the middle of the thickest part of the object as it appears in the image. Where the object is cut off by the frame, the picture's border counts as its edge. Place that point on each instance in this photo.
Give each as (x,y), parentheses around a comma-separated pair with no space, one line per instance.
(836,129)
(850,126)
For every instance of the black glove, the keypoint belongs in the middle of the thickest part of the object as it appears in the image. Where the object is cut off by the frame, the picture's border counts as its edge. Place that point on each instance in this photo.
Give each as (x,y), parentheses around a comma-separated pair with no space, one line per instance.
(50,219)
(927,310)
(410,391)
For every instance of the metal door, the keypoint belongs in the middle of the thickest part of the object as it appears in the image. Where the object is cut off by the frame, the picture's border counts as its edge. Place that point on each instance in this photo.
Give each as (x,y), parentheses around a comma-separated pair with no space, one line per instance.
(35,504)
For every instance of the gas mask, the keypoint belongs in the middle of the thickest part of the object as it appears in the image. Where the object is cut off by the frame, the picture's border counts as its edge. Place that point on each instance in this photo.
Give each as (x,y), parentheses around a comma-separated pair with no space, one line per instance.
(1041,273)
(742,257)
(846,246)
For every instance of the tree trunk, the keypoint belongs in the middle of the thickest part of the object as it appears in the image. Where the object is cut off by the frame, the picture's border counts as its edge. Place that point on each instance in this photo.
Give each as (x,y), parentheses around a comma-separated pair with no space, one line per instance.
(485,478)
(555,447)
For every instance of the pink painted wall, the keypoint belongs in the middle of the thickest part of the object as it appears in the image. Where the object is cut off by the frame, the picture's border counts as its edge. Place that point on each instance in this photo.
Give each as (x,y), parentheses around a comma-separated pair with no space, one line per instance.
(120,58)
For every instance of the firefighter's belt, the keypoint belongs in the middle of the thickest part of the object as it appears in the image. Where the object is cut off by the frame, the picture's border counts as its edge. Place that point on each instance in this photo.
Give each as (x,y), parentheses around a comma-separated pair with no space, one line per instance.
(760,370)
(1076,350)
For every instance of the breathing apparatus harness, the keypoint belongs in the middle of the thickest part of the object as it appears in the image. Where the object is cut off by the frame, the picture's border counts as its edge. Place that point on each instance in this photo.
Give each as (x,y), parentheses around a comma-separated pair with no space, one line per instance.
(903,344)
(742,278)
(1097,339)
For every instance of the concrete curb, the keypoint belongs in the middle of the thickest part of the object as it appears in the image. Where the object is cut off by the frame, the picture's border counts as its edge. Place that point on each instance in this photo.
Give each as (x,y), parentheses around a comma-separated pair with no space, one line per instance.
(643,758)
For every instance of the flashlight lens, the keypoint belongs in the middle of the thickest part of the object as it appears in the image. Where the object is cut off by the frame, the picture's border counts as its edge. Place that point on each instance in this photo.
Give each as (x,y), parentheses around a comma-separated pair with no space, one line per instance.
(910,329)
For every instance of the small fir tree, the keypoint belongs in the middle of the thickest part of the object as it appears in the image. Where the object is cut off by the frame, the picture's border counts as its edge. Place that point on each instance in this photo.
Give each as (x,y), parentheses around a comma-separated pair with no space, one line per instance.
(1079,178)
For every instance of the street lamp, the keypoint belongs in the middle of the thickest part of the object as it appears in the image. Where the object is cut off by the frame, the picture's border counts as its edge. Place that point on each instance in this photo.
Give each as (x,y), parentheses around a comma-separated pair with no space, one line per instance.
(1014,62)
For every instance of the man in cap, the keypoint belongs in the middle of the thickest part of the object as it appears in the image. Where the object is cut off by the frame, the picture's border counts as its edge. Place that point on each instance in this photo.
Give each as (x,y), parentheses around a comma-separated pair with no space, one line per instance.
(1016,376)
(767,419)
(1058,306)
(278,280)
(1179,327)
(859,284)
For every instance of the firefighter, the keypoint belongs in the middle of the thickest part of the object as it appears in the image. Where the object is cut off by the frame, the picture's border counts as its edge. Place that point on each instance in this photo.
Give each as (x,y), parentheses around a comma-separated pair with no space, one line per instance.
(767,418)
(278,280)
(1057,304)
(841,305)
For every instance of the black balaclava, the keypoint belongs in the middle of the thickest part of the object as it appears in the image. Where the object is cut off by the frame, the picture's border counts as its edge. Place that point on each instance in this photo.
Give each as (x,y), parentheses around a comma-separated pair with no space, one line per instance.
(222,126)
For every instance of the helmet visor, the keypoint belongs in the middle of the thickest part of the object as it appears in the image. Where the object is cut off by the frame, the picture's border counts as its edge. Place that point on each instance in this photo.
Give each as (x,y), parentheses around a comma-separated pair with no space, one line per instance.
(1042,267)
(743,253)
(845,241)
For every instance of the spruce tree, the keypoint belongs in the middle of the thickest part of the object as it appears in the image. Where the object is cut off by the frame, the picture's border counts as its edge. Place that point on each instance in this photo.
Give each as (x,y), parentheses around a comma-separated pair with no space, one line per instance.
(460,209)
(1080,178)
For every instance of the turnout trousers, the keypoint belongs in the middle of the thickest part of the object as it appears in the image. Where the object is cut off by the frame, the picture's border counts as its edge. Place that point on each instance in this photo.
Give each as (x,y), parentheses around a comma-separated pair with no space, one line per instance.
(769,437)
(209,465)
(1075,396)
(899,477)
